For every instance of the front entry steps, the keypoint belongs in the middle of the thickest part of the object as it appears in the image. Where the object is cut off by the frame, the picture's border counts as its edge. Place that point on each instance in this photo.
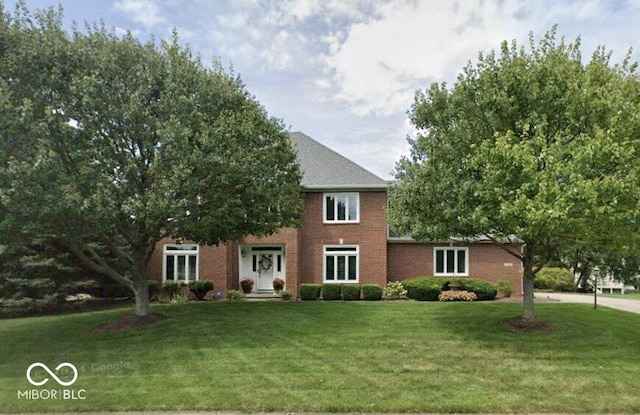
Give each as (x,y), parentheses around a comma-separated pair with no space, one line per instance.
(263,296)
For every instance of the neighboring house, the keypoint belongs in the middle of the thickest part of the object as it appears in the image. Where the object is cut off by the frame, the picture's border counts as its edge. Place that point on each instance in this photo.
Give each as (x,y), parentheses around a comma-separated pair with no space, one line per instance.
(607,284)
(343,238)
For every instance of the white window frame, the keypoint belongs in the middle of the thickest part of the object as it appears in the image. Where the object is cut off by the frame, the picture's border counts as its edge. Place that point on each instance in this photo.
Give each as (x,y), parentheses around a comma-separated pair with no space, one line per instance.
(176,250)
(340,251)
(455,272)
(335,197)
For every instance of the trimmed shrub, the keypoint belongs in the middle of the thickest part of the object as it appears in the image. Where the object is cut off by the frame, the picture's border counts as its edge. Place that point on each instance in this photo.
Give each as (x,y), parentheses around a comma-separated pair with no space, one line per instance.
(310,292)
(171,288)
(394,290)
(457,296)
(424,288)
(505,287)
(371,292)
(484,290)
(200,288)
(351,292)
(556,279)
(331,292)
(286,295)
(154,288)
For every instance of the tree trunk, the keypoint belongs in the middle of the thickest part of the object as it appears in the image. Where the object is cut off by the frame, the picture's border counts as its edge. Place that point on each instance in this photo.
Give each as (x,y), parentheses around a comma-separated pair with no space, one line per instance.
(527,283)
(141,291)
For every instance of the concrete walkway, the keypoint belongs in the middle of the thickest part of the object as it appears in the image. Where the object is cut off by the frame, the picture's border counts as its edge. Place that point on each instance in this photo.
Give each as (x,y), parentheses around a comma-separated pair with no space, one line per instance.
(632,306)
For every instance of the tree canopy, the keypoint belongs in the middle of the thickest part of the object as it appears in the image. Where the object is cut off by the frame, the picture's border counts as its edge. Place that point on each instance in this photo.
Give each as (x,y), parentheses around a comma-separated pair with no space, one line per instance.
(109,144)
(530,144)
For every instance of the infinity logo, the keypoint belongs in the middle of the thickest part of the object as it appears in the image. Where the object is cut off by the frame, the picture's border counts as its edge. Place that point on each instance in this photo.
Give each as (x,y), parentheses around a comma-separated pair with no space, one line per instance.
(53,375)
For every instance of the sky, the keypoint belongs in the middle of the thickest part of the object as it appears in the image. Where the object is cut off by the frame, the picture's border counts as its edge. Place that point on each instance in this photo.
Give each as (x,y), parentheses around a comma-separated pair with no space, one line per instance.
(345,72)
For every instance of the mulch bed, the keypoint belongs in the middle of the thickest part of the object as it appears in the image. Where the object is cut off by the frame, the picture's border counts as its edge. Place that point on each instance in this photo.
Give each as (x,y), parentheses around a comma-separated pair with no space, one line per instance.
(131,322)
(520,325)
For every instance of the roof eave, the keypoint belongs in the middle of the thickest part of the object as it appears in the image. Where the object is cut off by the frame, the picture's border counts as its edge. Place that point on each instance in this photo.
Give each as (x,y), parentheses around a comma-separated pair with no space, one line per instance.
(345,187)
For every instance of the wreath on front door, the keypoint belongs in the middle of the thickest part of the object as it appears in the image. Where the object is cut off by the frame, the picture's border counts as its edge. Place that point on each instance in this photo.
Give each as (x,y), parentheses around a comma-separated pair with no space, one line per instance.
(265,262)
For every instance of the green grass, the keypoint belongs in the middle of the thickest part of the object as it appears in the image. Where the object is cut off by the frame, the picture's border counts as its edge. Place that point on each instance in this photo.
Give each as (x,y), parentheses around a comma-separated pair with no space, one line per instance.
(630,296)
(333,357)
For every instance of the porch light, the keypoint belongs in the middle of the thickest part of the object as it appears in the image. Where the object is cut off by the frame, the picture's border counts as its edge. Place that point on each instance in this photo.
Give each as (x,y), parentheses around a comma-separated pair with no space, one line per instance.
(243,252)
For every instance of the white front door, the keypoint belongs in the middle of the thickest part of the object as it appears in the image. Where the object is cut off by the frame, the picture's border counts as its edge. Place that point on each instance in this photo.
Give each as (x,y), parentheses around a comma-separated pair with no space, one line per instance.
(262,264)
(266,264)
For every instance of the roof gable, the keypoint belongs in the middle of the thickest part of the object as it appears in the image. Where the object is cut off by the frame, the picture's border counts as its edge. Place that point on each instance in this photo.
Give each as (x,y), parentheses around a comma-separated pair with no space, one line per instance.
(324,168)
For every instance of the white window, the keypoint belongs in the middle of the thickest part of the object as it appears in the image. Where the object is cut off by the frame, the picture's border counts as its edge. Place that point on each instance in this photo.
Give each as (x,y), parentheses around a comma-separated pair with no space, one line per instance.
(451,261)
(180,262)
(341,207)
(340,263)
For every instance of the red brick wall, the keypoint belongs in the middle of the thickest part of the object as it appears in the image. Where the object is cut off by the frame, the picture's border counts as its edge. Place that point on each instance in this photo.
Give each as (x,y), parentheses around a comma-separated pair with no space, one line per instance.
(409,260)
(212,263)
(379,261)
(370,234)
(486,261)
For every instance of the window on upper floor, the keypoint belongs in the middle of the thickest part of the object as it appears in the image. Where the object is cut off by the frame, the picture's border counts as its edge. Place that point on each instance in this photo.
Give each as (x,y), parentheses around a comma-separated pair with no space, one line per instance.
(451,261)
(341,263)
(180,262)
(341,208)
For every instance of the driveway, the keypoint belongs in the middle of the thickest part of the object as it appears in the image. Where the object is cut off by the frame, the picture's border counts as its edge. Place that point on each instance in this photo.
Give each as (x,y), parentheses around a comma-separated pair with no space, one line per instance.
(632,306)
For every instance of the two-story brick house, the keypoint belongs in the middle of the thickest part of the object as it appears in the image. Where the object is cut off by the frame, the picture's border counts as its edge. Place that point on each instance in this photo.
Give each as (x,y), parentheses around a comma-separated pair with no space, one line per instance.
(343,237)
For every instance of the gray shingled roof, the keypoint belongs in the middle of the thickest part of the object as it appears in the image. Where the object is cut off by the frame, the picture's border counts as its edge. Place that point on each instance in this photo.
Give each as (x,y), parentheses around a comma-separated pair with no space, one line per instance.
(323,168)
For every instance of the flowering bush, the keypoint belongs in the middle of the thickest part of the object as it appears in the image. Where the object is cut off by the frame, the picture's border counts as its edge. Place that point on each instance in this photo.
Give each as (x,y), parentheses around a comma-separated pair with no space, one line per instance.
(457,296)
(394,290)
(246,284)
(278,284)
(235,295)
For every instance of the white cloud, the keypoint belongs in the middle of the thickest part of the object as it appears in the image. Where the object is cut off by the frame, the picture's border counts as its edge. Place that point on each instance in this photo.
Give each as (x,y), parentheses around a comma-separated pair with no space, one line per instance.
(234,21)
(351,68)
(380,63)
(144,12)
(302,9)
(277,55)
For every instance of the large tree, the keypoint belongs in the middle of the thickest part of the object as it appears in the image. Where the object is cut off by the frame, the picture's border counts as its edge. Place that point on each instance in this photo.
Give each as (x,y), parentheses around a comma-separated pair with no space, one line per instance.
(530,144)
(109,145)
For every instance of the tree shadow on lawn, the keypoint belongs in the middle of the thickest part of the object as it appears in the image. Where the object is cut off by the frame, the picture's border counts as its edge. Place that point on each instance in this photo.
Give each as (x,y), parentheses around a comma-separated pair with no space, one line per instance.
(566,326)
(130,322)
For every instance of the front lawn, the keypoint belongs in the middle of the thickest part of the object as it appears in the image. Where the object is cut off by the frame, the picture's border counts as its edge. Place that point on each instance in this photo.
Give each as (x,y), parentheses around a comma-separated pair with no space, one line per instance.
(331,357)
(629,296)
